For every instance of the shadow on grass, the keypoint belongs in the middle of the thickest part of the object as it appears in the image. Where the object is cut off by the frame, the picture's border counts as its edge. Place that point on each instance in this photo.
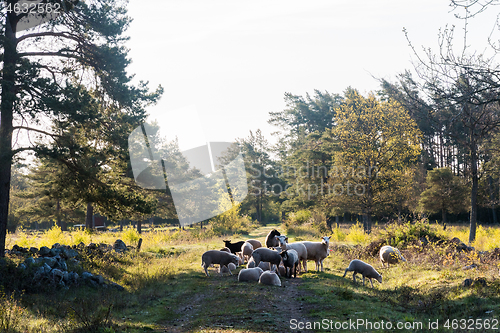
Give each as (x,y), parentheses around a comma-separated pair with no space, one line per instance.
(339,299)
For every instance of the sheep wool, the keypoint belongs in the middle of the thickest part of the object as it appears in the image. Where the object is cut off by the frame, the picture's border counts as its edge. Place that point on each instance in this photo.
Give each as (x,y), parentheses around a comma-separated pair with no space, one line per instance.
(290,262)
(390,255)
(221,258)
(366,270)
(250,274)
(246,250)
(267,255)
(270,279)
(255,243)
(299,247)
(318,251)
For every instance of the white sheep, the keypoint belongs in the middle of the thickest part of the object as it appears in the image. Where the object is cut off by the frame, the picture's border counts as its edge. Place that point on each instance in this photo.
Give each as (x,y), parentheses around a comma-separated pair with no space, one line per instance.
(299,247)
(270,279)
(317,251)
(218,257)
(250,274)
(227,269)
(264,265)
(255,243)
(246,250)
(390,255)
(265,254)
(364,269)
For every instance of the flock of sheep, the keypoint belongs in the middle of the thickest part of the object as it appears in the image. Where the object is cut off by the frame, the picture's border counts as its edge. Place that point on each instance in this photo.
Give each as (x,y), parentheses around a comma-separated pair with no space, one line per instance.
(265,265)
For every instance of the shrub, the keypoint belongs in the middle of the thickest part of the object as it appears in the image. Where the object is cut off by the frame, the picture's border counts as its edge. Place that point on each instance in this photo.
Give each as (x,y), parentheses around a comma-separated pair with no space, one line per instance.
(299,217)
(130,235)
(338,235)
(402,235)
(357,234)
(231,222)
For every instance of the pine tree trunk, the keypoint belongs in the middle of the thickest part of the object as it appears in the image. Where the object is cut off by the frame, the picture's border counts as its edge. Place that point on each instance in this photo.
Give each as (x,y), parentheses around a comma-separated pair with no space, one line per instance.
(473,194)
(492,199)
(443,215)
(88,218)
(8,97)
(139,227)
(61,224)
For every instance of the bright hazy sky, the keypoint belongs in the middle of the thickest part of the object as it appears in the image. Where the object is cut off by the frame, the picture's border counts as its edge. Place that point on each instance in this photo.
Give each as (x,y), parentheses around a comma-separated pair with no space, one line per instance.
(232,61)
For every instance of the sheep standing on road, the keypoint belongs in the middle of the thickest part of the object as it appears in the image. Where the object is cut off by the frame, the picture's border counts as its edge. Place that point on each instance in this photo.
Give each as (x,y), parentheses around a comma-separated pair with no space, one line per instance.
(264,254)
(364,269)
(390,255)
(218,257)
(290,261)
(318,251)
(299,247)
(271,240)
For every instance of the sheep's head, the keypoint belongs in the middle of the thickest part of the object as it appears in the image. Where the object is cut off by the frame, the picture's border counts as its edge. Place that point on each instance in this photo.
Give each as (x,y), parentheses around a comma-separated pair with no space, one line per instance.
(284,255)
(326,240)
(235,260)
(273,233)
(379,278)
(282,241)
(227,242)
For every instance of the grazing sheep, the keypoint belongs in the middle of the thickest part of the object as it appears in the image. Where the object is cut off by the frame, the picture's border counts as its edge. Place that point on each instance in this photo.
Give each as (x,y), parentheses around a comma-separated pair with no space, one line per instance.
(271,241)
(270,279)
(364,269)
(235,248)
(250,274)
(246,250)
(299,247)
(218,257)
(390,255)
(290,262)
(318,251)
(264,254)
(255,243)
(227,269)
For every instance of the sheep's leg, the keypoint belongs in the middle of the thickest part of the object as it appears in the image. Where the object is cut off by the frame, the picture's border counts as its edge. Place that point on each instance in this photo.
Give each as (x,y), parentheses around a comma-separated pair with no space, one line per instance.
(363,280)
(304,264)
(354,277)
(321,261)
(206,271)
(371,282)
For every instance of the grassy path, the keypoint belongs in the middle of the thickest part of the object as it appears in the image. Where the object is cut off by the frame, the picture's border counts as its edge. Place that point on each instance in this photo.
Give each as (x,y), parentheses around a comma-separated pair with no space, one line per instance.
(222,304)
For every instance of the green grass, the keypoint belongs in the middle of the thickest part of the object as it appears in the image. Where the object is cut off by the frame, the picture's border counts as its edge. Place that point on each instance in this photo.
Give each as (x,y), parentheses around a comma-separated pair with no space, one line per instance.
(166,289)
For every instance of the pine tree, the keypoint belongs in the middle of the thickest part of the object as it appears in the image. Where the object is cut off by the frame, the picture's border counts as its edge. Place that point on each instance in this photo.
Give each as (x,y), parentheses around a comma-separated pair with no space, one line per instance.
(67,69)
